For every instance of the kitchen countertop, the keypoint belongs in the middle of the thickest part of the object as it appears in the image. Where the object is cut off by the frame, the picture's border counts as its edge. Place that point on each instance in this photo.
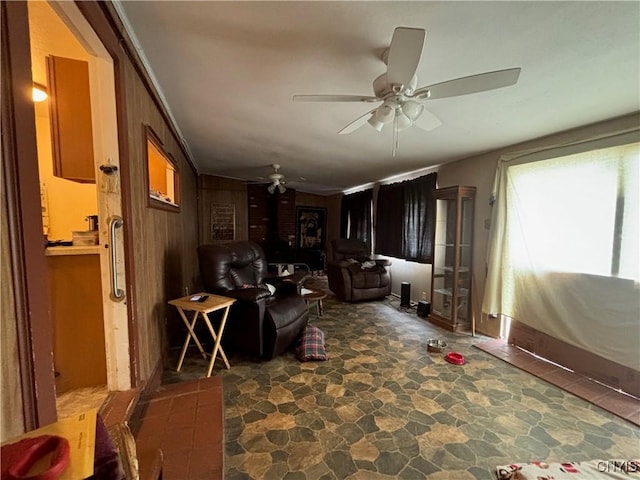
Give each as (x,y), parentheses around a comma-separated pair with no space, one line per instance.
(73,250)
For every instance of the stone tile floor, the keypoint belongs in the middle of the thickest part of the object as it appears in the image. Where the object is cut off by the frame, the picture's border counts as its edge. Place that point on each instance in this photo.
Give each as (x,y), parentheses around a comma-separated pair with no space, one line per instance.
(382,407)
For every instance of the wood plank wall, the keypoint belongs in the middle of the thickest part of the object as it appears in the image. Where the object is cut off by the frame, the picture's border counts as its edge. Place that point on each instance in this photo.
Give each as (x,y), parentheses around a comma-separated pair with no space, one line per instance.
(219,190)
(164,255)
(212,189)
(12,417)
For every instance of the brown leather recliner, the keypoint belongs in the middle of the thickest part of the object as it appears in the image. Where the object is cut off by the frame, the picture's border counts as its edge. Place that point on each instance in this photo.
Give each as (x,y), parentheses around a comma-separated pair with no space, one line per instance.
(260,325)
(353,280)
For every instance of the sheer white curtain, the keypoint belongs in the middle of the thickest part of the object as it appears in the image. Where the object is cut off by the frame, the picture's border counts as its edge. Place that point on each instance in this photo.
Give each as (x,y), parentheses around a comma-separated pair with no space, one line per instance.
(563,254)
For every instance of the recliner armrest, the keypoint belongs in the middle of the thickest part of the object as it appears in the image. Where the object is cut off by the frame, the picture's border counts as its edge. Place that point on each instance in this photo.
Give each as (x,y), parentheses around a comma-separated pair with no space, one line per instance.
(248,294)
(383,262)
(284,285)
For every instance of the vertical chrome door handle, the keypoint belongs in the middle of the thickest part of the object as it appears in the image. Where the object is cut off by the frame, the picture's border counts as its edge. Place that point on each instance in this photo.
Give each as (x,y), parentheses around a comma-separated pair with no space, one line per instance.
(115,221)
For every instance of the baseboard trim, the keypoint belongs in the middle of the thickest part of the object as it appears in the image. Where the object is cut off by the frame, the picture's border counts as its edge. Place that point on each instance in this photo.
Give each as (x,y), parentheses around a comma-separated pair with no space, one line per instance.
(155,380)
(577,359)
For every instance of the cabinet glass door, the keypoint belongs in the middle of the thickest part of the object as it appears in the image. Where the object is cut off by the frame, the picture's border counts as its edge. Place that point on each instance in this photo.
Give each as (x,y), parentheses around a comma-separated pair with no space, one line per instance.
(444,258)
(464,268)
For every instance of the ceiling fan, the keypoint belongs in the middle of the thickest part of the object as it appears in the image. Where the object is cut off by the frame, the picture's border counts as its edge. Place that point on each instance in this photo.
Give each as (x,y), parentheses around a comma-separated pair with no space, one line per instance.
(397,88)
(277,180)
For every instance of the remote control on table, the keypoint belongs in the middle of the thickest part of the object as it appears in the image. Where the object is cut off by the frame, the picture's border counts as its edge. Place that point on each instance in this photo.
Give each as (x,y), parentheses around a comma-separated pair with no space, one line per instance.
(198,298)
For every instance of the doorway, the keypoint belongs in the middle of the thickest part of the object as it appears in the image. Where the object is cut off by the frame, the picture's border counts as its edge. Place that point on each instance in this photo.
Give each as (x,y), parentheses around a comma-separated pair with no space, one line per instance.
(91,347)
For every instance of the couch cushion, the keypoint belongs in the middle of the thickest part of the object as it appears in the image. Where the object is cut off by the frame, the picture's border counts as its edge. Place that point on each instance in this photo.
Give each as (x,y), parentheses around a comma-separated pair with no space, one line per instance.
(369,279)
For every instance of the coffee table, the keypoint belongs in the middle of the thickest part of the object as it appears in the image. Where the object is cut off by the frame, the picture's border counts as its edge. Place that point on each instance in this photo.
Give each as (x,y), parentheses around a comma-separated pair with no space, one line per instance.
(311,295)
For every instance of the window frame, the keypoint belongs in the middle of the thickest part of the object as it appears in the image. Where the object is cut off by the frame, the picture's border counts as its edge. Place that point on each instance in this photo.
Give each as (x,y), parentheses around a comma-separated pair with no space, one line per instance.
(150,136)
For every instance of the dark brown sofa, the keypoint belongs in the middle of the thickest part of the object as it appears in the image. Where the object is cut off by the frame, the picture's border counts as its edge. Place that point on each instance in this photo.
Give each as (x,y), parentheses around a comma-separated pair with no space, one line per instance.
(349,279)
(260,325)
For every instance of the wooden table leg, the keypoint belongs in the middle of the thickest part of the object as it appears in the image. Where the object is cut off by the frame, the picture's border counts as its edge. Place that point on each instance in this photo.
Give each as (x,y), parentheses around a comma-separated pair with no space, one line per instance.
(320,308)
(190,334)
(218,338)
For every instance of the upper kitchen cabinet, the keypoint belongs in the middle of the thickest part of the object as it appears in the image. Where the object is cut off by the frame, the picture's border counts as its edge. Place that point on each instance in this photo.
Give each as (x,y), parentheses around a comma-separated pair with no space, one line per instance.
(70,111)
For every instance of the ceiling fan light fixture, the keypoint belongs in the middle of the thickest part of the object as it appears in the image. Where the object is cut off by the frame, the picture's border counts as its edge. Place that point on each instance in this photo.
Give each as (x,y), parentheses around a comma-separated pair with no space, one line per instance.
(402,121)
(281,188)
(271,188)
(412,109)
(384,113)
(375,123)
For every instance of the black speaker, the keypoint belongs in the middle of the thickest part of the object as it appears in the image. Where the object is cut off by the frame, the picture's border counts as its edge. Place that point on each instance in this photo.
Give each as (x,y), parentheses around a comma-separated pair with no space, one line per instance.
(424,308)
(405,294)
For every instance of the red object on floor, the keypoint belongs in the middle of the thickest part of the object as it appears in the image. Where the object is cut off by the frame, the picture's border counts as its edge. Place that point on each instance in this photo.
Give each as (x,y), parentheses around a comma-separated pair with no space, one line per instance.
(455,358)
(19,457)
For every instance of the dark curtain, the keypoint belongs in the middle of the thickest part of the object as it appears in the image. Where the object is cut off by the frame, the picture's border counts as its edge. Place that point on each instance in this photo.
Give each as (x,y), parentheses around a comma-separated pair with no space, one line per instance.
(356,214)
(389,229)
(405,219)
(419,219)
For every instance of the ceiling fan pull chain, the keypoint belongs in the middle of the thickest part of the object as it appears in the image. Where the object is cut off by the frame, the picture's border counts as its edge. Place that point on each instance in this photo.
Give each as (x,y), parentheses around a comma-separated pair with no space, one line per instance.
(396,139)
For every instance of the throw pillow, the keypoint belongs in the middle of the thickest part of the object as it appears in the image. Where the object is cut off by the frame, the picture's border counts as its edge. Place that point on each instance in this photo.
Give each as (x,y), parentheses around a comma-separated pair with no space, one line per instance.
(311,345)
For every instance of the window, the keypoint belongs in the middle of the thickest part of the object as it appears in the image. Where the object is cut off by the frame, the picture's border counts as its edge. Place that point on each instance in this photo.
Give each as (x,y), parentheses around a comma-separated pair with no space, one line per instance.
(355,217)
(162,174)
(563,254)
(577,214)
(405,219)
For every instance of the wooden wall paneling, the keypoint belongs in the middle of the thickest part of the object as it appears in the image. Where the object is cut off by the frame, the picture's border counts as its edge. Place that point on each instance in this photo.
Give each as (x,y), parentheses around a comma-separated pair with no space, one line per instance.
(11,416)
(258,215)
(164,242)
(219,190)
(311,199)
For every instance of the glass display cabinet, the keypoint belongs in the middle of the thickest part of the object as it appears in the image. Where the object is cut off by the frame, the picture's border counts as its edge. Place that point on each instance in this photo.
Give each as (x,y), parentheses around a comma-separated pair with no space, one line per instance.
(452,258)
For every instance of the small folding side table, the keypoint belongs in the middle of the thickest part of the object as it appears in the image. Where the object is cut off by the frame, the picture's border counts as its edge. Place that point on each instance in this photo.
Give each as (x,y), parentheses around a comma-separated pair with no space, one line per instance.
(201,309)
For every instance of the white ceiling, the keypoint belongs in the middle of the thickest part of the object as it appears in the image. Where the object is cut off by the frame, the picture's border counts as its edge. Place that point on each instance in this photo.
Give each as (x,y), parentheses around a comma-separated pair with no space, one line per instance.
(228,71)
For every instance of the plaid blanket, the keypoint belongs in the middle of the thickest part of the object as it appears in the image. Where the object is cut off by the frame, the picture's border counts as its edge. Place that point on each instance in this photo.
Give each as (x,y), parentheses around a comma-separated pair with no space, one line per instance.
(311,346)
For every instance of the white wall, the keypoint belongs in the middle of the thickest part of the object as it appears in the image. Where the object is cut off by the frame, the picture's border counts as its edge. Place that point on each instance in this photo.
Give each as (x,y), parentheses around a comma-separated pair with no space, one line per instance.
(417,274)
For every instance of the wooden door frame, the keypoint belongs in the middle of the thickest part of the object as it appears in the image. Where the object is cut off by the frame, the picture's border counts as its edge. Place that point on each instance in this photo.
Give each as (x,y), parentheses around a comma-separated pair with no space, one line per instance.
(102,24)
(21,179)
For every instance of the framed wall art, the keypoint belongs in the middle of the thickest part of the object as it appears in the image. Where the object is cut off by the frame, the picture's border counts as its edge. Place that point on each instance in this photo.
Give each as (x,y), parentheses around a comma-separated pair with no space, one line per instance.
(311,227)
(223,221)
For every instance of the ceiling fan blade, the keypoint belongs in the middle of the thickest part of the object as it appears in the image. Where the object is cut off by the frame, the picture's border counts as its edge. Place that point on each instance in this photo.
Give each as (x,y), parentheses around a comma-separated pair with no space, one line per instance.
(404,55)
(472,84)
(357,123)
(427,121)
(334,98)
